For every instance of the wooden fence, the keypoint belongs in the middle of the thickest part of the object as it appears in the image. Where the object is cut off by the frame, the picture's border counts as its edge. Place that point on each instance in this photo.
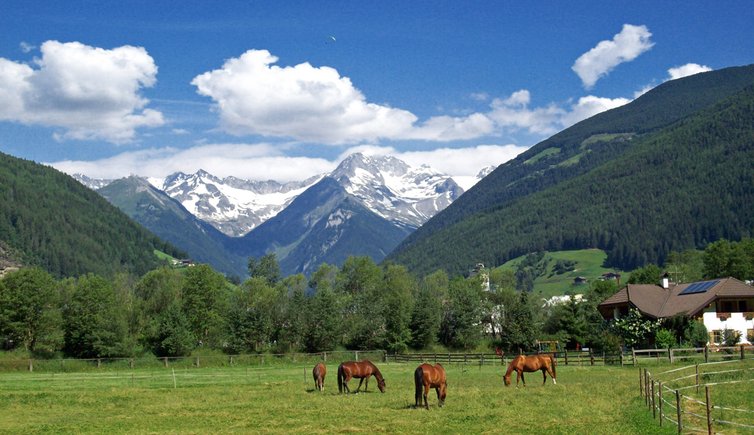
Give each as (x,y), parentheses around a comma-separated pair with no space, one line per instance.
(73,365)
(578,358)
(683,396)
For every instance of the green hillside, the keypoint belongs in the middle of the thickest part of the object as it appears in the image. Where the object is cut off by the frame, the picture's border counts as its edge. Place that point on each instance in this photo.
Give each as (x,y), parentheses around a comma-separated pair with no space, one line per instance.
(168,219)
(49,219)
(560,269)
(636,191)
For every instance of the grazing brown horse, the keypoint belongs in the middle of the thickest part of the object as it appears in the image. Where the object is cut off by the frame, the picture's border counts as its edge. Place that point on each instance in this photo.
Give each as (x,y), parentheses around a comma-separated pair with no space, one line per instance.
(531,363)
(319,373)
(359,369)
(426,377)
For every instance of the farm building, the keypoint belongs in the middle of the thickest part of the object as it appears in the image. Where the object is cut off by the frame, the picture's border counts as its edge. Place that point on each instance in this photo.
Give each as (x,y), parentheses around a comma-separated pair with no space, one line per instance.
(724,303)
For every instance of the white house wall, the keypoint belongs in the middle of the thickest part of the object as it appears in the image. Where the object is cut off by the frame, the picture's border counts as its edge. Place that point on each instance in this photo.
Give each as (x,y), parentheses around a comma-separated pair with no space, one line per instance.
(736,321)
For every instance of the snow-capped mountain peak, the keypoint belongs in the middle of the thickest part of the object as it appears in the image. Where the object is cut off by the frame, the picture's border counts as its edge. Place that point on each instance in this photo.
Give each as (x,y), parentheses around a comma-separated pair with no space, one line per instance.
(391,188)
(232,205)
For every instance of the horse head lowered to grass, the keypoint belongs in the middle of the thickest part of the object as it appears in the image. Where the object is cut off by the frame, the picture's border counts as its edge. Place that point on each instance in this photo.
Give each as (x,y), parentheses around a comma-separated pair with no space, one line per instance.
(359,369)
(531,363)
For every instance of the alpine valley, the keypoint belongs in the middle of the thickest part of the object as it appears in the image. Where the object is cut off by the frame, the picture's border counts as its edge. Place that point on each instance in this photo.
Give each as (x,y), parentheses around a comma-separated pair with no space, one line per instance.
(366,206)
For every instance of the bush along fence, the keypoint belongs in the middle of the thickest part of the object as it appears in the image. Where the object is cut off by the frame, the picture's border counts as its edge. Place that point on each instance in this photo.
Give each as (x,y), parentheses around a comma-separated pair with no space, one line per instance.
(250,360)
(704,397)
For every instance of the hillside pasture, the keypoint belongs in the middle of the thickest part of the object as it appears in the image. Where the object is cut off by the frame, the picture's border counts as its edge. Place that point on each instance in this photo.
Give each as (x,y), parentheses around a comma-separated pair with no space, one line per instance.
(282,399)
(589,264)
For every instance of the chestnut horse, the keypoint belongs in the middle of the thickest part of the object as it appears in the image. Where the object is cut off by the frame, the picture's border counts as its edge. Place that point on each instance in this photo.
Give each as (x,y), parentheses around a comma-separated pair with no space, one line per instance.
(426,377)
(359,369)
(531,363)
(319,373)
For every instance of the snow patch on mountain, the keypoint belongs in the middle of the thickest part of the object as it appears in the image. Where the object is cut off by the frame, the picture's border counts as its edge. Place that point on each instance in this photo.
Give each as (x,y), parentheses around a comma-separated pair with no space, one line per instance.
(232,205)
(394,190)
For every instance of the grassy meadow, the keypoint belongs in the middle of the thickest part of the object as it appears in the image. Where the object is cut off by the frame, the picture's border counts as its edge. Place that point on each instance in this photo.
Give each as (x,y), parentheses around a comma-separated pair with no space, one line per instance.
(282,399)
(589,264)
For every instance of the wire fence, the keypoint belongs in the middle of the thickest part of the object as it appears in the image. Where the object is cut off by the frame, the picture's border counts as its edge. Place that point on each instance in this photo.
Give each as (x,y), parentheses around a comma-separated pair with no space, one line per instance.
(694,397)
(71,365)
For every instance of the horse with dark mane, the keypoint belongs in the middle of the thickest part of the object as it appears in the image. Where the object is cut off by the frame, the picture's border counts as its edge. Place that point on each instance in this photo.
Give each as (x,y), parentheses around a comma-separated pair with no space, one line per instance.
(531,363)
(359,369)
(427,376)
(319,373)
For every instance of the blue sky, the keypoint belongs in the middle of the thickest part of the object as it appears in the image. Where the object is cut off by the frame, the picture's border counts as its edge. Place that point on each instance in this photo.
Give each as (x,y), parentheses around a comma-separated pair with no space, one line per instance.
(284,90)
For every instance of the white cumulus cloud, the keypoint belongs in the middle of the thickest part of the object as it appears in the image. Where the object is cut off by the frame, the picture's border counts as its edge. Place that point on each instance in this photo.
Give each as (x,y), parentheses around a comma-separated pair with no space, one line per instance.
(606,55)
(687,70)
(254,96)
(89,92)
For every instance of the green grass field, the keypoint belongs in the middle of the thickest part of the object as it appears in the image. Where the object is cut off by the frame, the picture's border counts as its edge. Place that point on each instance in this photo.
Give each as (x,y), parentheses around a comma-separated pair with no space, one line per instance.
(282,399)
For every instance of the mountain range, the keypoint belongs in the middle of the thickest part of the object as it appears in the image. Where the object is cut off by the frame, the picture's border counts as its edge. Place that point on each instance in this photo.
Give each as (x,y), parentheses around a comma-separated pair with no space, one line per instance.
(366,206)
(670,171)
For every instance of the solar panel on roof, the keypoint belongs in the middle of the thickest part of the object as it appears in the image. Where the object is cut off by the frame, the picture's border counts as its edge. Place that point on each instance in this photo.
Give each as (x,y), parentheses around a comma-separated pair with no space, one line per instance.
(699,287)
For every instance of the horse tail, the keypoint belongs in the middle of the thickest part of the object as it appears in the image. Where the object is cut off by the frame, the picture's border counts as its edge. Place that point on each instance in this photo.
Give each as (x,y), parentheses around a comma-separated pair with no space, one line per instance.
(340,378)
(419,383)
(554,366)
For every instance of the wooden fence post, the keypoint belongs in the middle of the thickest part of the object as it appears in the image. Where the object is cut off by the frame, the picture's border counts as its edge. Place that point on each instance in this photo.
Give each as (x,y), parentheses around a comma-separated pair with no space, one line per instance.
(99,362)
(709,410)
(660,398)
(591,357)
(131,363)
(706,353)
(654,409)
(641,384)
(31,365)
(678,410)
(742,351)
(621,357)
(565,354)
(633,355)
(697,379)
(165,361)
(197,361)
(670,355)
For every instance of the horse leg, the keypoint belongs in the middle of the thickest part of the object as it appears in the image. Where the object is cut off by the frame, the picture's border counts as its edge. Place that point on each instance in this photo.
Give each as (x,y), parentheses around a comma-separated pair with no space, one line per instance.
(366,384)
(361,381)
(439,401)
(552,375)
(346,378)
(426,393)
(523,380)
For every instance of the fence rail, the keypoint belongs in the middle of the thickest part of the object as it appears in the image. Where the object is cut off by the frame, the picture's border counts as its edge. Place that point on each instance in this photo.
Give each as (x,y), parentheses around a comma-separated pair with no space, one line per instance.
(73,365)
(581,358)
(697,414)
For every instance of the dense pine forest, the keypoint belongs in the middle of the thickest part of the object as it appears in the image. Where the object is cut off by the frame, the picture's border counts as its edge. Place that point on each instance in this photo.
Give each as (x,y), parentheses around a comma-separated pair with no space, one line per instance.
(50,220)
(631,181)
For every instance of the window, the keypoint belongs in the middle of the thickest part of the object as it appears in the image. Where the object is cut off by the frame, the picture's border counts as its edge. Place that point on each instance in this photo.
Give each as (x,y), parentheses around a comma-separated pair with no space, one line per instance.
(715,336)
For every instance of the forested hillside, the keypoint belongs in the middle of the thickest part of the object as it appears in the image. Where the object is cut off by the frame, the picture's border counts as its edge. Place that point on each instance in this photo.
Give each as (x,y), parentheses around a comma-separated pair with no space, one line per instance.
(638,190)
(168,219)
(49,219)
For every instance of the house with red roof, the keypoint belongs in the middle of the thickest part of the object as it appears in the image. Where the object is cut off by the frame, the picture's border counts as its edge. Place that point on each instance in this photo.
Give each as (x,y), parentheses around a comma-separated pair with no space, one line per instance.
(724,303)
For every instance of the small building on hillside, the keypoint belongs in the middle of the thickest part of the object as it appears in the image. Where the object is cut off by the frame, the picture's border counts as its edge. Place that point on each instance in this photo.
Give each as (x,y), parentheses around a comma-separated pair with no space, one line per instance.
(724,303)
(610,276)
(579,280)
